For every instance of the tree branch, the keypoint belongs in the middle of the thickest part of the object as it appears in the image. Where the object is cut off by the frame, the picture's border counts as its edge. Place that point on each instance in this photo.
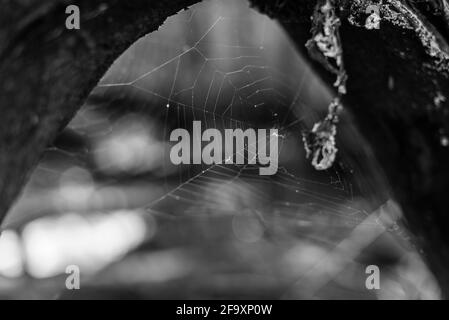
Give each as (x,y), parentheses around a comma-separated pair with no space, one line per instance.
(47,71)
(397,88)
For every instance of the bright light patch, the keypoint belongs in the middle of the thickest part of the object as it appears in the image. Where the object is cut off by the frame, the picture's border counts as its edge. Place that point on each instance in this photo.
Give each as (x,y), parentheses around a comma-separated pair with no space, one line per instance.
(88,242)
(131,148)
(10,255)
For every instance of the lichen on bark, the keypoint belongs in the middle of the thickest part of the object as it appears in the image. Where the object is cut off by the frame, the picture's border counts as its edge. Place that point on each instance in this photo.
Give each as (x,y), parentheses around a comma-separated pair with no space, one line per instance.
(405,15)
(402,122)
(320,142)
(325,46)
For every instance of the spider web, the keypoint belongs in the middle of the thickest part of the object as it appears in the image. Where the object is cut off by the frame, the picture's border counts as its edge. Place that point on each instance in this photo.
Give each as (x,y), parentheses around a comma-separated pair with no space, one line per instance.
(225,83)
(227,66)
(201,66)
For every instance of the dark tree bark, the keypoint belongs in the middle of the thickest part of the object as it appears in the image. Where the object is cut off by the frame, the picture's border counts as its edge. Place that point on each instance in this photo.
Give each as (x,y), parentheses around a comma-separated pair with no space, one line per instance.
(47,71)
(397,88)
(398,95)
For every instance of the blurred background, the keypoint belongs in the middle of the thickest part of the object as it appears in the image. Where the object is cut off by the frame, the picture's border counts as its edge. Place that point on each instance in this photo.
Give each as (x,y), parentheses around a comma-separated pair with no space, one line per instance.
(105,196)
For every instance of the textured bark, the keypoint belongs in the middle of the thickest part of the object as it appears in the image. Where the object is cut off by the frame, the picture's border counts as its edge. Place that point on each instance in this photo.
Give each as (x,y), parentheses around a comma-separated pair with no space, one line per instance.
(392,93)
(394,90)
(47,71)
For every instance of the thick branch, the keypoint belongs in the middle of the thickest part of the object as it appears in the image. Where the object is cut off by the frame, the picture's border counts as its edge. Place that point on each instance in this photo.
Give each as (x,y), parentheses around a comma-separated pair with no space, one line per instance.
(47,71)
(397,89)
(398,95)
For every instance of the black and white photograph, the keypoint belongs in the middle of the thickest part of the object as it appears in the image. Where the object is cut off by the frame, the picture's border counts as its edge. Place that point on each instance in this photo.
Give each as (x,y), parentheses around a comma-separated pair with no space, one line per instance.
(224,155)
